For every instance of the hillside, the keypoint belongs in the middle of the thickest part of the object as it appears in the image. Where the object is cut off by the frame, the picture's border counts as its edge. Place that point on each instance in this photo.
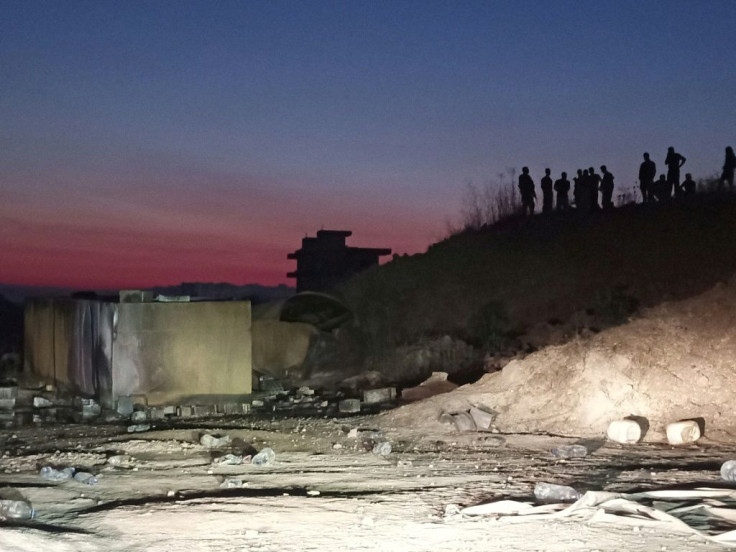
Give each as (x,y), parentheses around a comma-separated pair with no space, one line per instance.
(673,363)
(529,283)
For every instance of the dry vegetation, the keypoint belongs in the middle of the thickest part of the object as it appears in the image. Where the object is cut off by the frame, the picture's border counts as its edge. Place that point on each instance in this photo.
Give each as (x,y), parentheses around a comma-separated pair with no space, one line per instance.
(589,270)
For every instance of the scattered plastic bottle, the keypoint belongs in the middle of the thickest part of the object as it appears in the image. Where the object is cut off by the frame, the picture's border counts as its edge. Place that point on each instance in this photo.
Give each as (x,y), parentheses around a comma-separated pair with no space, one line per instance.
(728,471)
(51,474)
(266,456)
(570,451)
(210,441)
(137,428)
(231,484)
(549,492)
(121,461)
(382,448)
(16,509)
(86,478)
(229,460)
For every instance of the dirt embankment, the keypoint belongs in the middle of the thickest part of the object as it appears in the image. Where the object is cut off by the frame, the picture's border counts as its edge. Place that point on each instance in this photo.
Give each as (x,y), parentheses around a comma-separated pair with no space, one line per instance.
(677,361)
(477,285)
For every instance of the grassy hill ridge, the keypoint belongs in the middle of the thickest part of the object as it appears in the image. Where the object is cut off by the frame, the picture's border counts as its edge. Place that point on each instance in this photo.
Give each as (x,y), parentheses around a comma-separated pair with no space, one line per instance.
(484,286)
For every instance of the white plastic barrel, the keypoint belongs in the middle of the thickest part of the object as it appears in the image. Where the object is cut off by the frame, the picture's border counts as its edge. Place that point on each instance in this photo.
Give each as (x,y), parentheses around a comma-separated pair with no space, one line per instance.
(626,432)
(679,433)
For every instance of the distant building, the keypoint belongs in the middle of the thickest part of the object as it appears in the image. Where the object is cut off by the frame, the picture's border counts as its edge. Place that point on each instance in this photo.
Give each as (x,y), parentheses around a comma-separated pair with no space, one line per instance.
(325,261)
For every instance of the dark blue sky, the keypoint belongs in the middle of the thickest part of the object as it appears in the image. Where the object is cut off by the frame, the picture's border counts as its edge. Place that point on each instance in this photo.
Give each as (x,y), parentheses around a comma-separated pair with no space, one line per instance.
(153,142)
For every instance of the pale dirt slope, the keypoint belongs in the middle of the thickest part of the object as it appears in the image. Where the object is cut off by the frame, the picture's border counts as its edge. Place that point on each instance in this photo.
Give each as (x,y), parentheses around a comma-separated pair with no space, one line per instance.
(677,361)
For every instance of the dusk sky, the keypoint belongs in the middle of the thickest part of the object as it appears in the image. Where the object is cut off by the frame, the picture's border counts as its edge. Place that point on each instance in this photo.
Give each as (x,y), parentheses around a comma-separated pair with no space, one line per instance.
(146,143)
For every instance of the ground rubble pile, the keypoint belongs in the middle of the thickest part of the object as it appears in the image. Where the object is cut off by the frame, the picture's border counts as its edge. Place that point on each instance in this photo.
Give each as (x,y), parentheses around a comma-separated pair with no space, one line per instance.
(673,364)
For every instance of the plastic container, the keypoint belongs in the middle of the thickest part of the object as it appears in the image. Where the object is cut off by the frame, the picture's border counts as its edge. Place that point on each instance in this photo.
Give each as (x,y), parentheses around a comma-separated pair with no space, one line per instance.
(680,433)
(266,456)
(549,492)
(382,448)
(51,474)
(210,441)
(231,484)
(570,451)
(16,509)
(626,432)
(86,478)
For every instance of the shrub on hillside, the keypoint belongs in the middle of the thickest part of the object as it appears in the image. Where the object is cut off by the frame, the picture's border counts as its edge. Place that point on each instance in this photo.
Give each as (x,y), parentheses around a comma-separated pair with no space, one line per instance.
(490,325)
(489,204)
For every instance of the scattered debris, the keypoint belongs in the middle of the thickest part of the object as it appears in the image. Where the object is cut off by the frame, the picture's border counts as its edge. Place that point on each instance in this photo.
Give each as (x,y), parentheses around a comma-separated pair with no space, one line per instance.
(498,508)
(41,402)
(138,416)
(377,396)
(51,474)
(570,451)
(16,509)
(229,460)
(90,409)
(349,406)
(705,512)
(139,428)
(728,470)
(382,448)
(626,432)
(482,416)
(463,421)
(549,492)
(231,484)
(211,441)
(121,461)
(124,406)
(683,432)
(265,457)
(436,384)
(86,478)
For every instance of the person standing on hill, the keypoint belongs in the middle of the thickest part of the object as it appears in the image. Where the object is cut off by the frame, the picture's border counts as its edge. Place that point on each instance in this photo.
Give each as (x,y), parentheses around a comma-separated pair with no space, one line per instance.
(583,203)
(647,172)
(673,161)
(729,165)
(607,189)
(688,186)
(562,187)
(577,187)
(528,194)
(661,189)
(594,182)
(547,195)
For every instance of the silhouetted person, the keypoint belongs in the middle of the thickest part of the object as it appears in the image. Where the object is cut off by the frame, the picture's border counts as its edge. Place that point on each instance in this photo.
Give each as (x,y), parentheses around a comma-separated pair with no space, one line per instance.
(673,161)
(528,194)
(661,189)
(562,187)
(547,195)
(594,182)
(688,186)
(583,202)
(606,189)
(577,187)
(728,169)
(647,172)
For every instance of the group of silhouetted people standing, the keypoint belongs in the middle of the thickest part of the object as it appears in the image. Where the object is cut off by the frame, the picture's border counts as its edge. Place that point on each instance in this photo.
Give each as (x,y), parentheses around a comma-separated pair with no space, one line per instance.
(587,185)
(664,188)
(667,186)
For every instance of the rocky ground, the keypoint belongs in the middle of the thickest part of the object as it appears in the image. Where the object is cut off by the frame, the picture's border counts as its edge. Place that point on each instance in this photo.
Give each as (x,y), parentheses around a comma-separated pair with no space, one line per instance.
(324,490)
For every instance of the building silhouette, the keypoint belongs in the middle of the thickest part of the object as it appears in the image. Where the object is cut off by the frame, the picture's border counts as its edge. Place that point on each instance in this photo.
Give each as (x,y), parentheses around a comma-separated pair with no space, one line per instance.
(325,260)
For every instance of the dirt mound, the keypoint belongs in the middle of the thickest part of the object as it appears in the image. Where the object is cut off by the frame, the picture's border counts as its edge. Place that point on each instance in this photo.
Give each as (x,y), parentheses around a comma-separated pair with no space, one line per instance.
(677,361)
